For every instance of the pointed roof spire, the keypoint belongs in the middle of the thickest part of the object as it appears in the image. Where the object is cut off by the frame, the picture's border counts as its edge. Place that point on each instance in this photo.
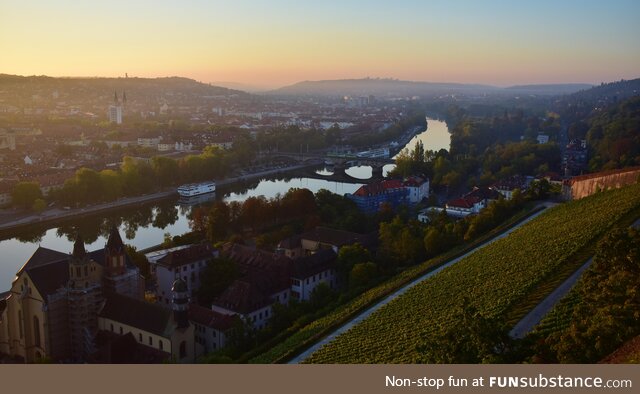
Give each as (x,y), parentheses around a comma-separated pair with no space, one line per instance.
(115,97)
(115,241)
(78,247)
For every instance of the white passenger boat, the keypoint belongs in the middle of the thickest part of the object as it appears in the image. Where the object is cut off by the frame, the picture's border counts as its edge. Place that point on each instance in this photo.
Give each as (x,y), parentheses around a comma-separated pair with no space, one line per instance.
(196,189)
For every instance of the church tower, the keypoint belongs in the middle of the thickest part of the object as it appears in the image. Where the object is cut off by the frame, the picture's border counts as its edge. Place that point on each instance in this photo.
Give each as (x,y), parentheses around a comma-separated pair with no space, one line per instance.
(84,298)
(79,274)
(114,254)
(180,303)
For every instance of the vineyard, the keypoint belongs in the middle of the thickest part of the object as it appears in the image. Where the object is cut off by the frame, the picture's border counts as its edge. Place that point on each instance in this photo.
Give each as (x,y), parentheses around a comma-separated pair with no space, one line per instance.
(312,332)
(494,278)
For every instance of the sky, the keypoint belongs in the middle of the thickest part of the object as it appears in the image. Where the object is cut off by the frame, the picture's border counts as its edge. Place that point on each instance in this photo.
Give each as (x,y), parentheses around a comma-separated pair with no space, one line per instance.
(279,42)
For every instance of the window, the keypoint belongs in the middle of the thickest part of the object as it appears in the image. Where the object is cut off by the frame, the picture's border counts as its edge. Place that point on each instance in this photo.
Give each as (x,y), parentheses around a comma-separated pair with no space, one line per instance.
(161,345)
(150,340)
(140,337)
(191,266)
(36,331)
(111,327)
(184,268)
(214,333)
(120,330)
(183,349)
(78,273)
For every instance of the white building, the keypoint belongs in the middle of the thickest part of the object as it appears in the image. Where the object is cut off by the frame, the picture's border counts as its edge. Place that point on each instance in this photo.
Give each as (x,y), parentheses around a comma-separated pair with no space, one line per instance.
(542,138)
(418,188)
(210,328)
(165,147)
(310,271)
(186,262)
(149,142)
(115,114)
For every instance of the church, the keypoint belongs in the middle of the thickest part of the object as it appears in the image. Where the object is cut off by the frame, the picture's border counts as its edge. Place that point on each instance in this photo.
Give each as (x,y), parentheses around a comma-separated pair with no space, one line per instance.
(61,306)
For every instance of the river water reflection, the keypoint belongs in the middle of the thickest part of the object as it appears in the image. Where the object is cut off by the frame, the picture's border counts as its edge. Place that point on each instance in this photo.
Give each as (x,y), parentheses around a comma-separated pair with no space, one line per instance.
(145,226)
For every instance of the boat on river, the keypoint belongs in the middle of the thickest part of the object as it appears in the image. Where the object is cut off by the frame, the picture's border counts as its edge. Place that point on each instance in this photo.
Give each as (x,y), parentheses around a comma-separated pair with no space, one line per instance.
(196,189)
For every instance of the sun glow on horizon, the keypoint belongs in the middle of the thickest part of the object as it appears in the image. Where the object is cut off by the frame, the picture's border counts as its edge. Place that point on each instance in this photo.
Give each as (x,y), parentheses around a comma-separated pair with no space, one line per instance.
(274,43)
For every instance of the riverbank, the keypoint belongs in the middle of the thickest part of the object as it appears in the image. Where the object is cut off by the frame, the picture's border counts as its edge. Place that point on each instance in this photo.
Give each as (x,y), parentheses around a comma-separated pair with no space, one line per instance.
(16,220)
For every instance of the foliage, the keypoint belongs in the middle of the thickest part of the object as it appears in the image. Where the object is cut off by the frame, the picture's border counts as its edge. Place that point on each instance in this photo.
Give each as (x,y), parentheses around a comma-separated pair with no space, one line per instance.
(362,274)
(495,278)
(349,256)
(315,330)
(608,304)
(614,136)
(139,260)
(215,278)
(25,194)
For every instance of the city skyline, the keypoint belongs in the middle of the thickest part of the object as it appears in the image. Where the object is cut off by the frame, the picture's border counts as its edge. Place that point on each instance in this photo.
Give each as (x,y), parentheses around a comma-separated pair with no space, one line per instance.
(273,44)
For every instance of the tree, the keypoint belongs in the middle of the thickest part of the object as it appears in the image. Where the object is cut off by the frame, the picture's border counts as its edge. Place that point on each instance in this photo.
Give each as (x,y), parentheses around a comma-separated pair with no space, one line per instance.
(218,222)
(166,170)
(362,274)
(89,186)
(139,260)
(321,296)
(39,205)
(111,184)
(349,256)
(400,242)
(25,194)
(215,278)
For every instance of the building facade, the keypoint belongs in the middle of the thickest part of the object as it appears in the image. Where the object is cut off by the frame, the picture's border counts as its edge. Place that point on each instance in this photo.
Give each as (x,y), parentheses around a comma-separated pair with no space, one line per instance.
(51,311)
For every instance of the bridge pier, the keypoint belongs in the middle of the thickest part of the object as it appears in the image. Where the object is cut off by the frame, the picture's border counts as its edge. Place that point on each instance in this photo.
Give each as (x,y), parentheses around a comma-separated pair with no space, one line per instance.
(377,171)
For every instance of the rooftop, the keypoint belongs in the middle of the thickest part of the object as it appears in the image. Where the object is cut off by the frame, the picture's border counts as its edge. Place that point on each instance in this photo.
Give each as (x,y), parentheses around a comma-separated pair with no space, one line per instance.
(137,313)
(210,318)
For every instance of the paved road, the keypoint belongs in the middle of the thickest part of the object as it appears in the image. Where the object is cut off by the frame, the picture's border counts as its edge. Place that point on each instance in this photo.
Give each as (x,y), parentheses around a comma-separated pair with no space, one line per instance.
(303,356)
(57,214)
(526,325)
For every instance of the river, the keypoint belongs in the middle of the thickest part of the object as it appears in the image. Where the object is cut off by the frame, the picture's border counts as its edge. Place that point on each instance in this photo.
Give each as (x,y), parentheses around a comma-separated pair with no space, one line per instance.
(145,226)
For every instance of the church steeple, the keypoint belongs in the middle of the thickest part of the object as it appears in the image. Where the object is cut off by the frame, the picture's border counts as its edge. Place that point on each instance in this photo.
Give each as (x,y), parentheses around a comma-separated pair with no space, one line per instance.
(180,303)
(114,253)
(78,248)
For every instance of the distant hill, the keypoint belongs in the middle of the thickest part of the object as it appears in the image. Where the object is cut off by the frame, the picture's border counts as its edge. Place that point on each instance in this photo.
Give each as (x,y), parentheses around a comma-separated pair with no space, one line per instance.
(173,84)
(378,87)
(393,87)
(550,89)
(93,95)
(612,91)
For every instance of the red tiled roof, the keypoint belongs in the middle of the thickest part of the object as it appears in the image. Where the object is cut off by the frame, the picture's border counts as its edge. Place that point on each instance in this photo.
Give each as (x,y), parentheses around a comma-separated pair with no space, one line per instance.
(460,203)
(378,187)
(210,318)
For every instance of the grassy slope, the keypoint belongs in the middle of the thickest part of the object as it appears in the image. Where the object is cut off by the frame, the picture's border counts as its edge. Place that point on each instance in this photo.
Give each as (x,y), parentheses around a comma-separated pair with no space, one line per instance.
(496,278)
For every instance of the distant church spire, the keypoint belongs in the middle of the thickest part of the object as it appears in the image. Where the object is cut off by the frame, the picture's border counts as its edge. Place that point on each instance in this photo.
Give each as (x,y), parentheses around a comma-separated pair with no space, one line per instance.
(78,248)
